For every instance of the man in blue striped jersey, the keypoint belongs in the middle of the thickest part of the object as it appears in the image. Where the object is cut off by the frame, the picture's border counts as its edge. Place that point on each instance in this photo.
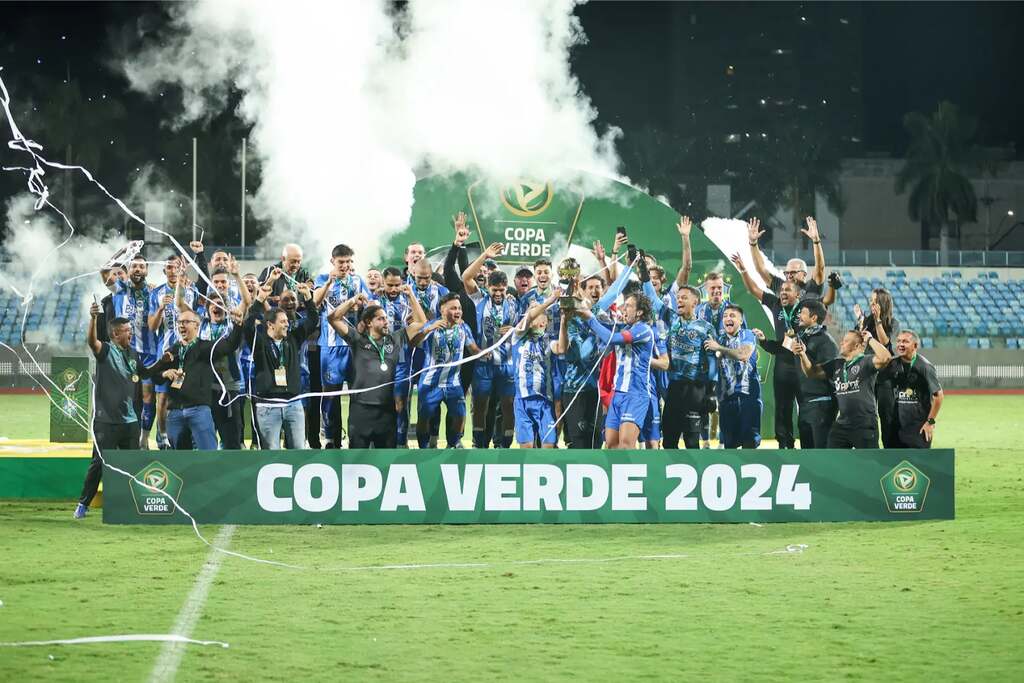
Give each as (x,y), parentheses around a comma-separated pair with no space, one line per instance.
(739,388)
(634,350)
(691,371)
(493,378)
(429,294)
(398,311)
(445,342)
(533,370)
(130,300)
(332,290)
(583,417)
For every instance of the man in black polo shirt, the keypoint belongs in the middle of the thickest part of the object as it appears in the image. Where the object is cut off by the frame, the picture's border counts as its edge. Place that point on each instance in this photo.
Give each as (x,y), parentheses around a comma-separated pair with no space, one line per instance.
(918,393)
(276,356)
(117,398)
(189,368)
(817,405)
(853,379)
(376,353)
(786,380)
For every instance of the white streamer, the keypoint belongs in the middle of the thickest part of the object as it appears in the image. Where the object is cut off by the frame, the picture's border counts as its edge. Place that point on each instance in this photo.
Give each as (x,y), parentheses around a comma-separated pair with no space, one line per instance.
(128,638)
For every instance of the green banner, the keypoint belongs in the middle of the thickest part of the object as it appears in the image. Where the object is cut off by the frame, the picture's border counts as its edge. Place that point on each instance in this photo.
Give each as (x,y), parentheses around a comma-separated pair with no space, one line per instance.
(70,405)
(528,486)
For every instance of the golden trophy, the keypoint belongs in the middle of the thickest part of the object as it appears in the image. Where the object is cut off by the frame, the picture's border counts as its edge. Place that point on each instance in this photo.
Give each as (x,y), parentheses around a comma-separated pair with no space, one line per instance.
(568,272)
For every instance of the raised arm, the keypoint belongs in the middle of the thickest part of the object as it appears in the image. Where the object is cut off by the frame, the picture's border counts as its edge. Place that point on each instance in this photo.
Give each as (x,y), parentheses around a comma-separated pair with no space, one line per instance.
(243,291)
(199,256)
(419,316)
(748,281)
(684,227)
(882,355)
(90,334)
(469,275)
(809,369)
(337,317)
(742,353)
(561,345)
(602,260)
(754,233)
(533,311)
(613,267)
(811,231)
(157,316)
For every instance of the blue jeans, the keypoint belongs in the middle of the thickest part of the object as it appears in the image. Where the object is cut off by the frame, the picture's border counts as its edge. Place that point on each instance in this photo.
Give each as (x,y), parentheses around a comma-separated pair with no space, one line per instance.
(272,417)
(199,421)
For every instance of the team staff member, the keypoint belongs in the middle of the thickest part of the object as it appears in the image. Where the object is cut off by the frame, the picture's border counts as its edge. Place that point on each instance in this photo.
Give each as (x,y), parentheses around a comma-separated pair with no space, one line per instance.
(189,373)
(817,405)
(277,355)
(377,350)
(292,272)
(883,327)
(796,269)
(853,380)
(691,370)
(918,393)
(739,404)
(115,423)
(634,351)
(786,380)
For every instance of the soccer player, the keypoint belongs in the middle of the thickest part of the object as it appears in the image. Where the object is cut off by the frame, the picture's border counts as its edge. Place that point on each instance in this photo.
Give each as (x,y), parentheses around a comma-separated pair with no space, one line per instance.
(131,300)
(853,381)
(163,322)
(115,422)
(190,374)
(445,342)
(414,253)
(374,280)
(739,402)
(692,370)
(918,393)
(817,405)
(332,289)
(786,380)
(634,350)
(583,416)
(533,372)
(429,295)
(378,348)
(493,376)
(276,353)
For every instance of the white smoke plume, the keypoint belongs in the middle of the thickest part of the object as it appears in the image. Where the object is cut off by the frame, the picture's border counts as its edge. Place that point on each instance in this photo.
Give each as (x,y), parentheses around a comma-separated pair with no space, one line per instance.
(349,102)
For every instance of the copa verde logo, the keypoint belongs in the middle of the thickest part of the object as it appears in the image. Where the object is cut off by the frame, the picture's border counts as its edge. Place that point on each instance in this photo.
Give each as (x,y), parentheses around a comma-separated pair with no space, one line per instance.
(159,485)
(905,488)
(527,198)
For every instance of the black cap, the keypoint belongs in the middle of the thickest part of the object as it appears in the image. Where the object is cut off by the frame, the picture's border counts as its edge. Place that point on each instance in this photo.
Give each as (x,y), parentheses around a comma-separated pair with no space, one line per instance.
(524,271)
(491,263)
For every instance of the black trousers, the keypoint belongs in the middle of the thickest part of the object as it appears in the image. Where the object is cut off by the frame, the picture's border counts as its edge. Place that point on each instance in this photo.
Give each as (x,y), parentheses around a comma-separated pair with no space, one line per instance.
(684,410)
(815,422)
(887,415)
(313,407)
(910,437)
(583,422)
(228,420)
(842,436)
(371,425)
(786,383)
(109,437)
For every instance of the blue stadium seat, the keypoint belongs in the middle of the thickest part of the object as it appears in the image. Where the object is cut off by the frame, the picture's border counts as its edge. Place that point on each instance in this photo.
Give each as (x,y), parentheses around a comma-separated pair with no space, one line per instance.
(972,343)
(984,343)
(1011,343)
(927,342)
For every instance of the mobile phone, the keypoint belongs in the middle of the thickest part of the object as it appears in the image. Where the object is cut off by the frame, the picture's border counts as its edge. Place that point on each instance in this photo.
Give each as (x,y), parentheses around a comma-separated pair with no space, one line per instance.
(621,230)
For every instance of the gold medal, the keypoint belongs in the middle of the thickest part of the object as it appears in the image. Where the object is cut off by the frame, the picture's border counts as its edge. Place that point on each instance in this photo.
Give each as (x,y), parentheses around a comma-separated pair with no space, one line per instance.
(135,378)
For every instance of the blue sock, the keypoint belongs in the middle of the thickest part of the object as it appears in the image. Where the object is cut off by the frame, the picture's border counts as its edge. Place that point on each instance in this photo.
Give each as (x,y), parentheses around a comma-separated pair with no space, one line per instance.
(148,414)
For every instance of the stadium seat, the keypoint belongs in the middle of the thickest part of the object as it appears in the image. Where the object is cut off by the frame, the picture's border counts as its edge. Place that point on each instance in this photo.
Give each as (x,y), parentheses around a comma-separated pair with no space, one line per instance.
(927,342)
(984,343)
(972,343)
(1011,343)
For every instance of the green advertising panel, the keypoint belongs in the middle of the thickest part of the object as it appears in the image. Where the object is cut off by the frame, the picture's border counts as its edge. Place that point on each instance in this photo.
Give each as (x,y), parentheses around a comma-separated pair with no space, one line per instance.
(520,486)
(70,404)
(544,219)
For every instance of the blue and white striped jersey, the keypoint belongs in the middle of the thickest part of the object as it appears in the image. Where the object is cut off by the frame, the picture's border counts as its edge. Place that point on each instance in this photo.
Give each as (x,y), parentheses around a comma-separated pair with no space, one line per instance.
(339,291)
(490,318)
(444,346)
(633,358)
(533,365)
(133,304)
(430,299)
(738,377)
(167,335)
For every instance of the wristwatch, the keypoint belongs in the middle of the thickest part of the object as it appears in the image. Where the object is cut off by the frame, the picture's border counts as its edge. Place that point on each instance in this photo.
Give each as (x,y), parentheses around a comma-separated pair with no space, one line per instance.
(931,420)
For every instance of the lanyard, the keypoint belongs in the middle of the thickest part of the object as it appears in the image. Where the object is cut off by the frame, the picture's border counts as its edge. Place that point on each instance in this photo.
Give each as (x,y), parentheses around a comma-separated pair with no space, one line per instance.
(450,339)
(216,329)
(850,363)
(184,350)
(912,361)
(280,351)
(378,349)
(788,317)
(424,296)
(125,360)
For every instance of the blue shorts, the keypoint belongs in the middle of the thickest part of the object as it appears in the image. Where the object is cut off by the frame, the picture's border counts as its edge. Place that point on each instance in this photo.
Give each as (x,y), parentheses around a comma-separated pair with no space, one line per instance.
(430,399)
(248,371)
(490,379)
(627,408)
(739,420)
(535,418)
(651,429)
(402,385)
(147,359)
(333,365)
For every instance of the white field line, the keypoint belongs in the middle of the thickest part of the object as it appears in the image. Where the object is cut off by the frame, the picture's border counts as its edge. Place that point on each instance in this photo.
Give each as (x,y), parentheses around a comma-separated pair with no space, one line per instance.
(166,667)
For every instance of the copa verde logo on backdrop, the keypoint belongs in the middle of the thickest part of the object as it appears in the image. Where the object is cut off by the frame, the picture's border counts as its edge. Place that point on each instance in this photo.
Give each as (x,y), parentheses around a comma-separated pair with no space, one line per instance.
(533,218)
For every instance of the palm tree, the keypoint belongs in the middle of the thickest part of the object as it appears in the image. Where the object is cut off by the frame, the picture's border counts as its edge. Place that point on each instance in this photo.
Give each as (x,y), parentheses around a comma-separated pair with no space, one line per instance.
(940,156)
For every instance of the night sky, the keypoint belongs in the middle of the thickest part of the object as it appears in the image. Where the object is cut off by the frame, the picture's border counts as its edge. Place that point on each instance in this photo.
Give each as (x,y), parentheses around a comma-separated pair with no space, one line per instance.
(914,55)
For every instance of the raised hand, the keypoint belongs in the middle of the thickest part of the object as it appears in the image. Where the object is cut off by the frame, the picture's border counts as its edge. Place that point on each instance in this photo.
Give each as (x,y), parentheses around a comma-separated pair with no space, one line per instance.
(461,229)
(196,246)
(232,265)
(95,310)
(754,231)
(494,250)
(684,226)
(274,274)
(167,299)
(865,337)
(758,333)
(811,231)
(599,252)
(738,262)
(406,289)
(620,241)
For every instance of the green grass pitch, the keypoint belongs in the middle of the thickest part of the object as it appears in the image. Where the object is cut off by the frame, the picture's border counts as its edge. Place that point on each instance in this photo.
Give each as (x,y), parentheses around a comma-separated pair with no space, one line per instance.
(872,601)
